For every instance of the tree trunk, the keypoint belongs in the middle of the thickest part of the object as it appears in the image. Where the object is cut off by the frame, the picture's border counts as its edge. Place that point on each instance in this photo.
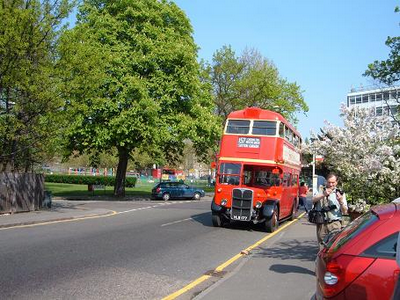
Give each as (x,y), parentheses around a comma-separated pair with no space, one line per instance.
(119,188)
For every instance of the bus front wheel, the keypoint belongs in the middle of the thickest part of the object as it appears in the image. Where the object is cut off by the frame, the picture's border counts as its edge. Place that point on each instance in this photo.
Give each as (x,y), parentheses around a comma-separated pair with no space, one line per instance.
(216,220)
(272,223)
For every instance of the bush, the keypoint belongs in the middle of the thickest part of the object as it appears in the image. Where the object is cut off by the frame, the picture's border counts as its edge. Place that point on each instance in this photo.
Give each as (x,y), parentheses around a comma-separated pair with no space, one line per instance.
(95,180)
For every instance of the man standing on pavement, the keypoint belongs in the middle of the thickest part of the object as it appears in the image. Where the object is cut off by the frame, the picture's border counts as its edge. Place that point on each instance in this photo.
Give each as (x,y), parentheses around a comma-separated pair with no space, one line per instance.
(333,201)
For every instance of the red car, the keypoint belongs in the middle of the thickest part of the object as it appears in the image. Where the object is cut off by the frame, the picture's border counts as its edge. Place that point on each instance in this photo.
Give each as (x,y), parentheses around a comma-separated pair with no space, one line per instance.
(360,261)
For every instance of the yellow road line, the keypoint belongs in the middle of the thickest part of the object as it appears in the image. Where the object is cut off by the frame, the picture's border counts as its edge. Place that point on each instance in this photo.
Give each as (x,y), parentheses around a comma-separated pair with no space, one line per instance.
(188,287)
(228,262)
(62,221)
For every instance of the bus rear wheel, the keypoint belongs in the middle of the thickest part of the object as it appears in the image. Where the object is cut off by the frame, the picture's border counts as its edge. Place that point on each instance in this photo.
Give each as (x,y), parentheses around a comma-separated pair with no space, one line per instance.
(272,223)
(293,213)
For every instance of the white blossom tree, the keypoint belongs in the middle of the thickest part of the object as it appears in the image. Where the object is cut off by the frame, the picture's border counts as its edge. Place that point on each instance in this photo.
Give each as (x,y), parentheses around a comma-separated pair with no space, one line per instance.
(365,153)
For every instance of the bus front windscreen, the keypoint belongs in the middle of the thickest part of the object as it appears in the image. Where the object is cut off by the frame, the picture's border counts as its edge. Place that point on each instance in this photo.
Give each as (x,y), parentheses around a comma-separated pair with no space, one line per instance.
(229,173)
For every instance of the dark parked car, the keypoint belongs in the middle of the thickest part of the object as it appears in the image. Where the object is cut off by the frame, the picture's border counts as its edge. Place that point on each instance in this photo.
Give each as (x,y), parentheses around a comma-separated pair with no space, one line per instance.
(176,190)
(360,261)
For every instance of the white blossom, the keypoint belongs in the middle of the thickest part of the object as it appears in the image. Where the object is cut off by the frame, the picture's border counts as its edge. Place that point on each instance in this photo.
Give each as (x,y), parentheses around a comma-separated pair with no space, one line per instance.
(365,153)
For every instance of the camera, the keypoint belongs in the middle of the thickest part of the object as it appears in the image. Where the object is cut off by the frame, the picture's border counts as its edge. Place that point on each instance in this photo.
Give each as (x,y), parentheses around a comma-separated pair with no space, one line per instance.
(329,208)
(336,190)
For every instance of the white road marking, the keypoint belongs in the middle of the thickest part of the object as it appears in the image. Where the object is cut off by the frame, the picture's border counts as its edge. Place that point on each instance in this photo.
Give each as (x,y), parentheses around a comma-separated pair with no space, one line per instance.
(176,222)
(148,207)
(158,205)
(179,221)
(113,213)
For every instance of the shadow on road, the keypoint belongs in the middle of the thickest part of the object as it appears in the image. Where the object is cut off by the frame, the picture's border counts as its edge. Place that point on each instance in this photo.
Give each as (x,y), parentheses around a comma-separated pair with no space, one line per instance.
(284,269)
(304,250)
(206,220)
(59,206)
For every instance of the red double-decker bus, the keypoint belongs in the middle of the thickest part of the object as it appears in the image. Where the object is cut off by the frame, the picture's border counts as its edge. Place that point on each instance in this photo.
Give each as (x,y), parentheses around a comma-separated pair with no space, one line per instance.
(258,169)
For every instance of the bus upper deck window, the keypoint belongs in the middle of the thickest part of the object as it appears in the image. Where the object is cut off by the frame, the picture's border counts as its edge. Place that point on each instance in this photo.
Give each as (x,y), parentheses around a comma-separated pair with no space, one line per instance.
(264,127)
(281,130)
(238,126)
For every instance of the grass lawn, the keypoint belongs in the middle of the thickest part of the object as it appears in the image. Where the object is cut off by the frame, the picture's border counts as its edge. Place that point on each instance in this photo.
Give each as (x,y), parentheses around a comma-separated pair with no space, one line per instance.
(81,190)
(76,190)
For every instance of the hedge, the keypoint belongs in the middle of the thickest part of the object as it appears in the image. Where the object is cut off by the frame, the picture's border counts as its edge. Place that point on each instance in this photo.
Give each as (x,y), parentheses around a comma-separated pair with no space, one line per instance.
(81,179)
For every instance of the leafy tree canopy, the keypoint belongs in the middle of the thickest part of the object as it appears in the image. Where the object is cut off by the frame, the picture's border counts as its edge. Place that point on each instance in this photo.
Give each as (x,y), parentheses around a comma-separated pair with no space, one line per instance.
(28,81)
(387,72)
(251,80)
(133,82)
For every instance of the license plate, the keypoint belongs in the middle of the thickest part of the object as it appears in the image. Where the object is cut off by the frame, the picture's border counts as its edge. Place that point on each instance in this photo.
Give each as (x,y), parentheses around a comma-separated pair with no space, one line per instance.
(240,218)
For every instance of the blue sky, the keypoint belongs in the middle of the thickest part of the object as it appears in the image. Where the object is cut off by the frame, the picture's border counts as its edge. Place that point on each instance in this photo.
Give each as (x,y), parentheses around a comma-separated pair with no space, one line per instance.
(323,45)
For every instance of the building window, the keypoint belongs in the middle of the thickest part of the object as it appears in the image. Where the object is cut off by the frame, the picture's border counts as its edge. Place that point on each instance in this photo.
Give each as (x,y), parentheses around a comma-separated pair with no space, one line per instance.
(386,96)
(393,95)
(371,97)
(378,97)
(365,99)
(378,111)
(352,100)
(386,110)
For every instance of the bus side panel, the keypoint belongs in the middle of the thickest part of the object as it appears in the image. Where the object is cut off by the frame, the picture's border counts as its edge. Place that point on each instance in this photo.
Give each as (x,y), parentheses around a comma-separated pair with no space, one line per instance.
(285,201)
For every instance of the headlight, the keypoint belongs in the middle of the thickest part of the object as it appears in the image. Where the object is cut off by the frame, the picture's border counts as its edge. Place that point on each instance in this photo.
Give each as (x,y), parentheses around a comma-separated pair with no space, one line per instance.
(224,202)
(258,204)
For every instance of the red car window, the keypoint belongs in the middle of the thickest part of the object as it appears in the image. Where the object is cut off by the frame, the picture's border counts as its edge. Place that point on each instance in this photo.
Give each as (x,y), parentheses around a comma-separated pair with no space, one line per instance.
(351,231)
(385,248)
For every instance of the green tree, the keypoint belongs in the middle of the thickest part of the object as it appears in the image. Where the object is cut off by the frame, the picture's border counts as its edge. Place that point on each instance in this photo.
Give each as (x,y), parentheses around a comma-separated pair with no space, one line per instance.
(387,72)
(251,80)
(134,83)
(28,84)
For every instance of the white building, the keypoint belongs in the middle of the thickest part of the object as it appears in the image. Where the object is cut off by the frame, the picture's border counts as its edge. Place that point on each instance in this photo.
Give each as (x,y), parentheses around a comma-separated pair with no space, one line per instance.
(382,100)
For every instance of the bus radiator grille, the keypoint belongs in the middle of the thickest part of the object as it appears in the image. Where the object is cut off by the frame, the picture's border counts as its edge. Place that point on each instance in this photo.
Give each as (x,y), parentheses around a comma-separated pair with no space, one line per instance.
(242,204)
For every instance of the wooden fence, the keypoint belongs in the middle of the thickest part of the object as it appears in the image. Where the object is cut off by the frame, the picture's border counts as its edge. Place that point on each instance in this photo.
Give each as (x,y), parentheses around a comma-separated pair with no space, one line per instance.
(21,192)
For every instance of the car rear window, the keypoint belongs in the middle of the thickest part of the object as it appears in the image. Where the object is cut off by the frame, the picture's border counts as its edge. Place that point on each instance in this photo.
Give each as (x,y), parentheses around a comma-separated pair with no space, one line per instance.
(352,230)
(385,248)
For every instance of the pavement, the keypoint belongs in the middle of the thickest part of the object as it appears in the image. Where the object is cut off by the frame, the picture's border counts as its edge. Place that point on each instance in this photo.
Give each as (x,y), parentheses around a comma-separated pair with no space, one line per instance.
(281,267)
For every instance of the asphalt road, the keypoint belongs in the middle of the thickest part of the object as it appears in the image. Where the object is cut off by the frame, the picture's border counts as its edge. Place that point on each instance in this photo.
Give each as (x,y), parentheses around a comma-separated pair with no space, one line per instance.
(146,251)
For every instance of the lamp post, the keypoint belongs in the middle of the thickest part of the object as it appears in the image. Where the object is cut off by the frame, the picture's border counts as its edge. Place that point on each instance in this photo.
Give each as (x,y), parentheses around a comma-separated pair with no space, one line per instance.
(314,177)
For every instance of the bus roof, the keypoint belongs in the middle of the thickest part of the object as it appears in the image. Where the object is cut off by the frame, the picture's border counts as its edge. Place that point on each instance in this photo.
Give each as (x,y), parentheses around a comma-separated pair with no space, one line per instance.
(260,114)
